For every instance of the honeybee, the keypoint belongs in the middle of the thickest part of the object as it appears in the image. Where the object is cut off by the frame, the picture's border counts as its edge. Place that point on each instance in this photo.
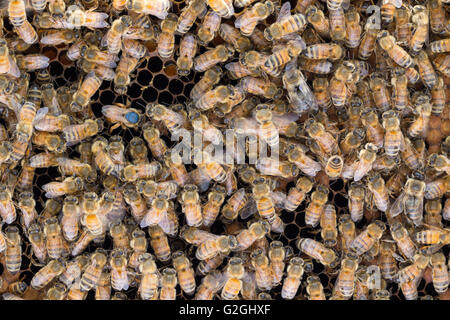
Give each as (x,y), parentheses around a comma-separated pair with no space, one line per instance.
(375,132)
(212,207)
(13,252)
(223,8)
(159,243)
(232,37)
(235,271)
(293,279)
(345,282)
(7,63)
(255,231)
(337,24)
(209,28)
(440,274)
(212,57)
(191,205)
(234,205)
(317,131)
(317,19)
(426,69)
(411,200)
(380,94)
(54,240)
(265,205)
(209,79)
(316,66)
(317,251)
(347,230)
(154,215)
(211,284)
(367,239)
(112,39)
(16,12)
(141,171)
(419,127)
(46,274)
(437,16)
(122,78)
(438,97)
(119,276)
(420,19)
(307,165)
(321,93)
(393,138)
(188,49)
(433,236)
(356,196)
(60,37)
(315,208)
(368,41)
(353,34)
(386,260)
(7,208)
(166,42)
(441,63)
(446,210)
(28,34)
(298,193)
(185,272)
(36,238)
(69,185)
(277,254)
(439,162)
(172,119)
(248,20)
(414,270)
(93,272)
(404,243)
(81,98)
(367,157)
(27,205)
(168,283)
(436,188)
(285,24)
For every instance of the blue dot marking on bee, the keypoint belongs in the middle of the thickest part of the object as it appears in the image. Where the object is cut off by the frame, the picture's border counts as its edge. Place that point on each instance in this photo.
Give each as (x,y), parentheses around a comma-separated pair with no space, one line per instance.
(132,117)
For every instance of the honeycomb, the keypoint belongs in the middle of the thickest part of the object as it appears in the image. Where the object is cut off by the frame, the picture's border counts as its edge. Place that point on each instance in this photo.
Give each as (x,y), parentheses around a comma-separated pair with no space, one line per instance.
(155,80)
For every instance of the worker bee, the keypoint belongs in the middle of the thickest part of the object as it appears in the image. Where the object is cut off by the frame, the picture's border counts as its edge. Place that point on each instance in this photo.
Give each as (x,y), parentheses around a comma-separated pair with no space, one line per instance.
(356,196)
(411,200)
(223,8)
(7,208)
(317,19)
(426,70)
(69,185)
(337,24)
(119,276)
(367,239)
(13,253)
(345,282)
(212,207)
(185,272)
(293,279)
(436,188)
(438,96)
(235,271)
(315,208)
(439,272)
(285,24)
(92,274)
(307,165)
(413,270)
(353,34)
(220,245)
(328,224)
(81,98)
(248,20)
(209,28)
(53,237)
(212,57)
(188,49)
(420,19)
(395,52)
(234,205)
(368,40)
(191,205)
(419,127)
(112,39)
(27,205)
(298,193)
(7,63)
(46,274)
(28,34)
(317,251)
(16,12)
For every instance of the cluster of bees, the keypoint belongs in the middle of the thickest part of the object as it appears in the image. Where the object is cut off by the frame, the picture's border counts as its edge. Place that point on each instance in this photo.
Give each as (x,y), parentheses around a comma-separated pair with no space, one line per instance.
(347,91)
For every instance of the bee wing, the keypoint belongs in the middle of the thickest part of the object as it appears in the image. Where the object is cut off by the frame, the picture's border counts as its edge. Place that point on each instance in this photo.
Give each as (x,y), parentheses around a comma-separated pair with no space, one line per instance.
(397,206)
(285,11)
(249,209)
(40,114)
(13,68)
(278,198)
(285,119)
